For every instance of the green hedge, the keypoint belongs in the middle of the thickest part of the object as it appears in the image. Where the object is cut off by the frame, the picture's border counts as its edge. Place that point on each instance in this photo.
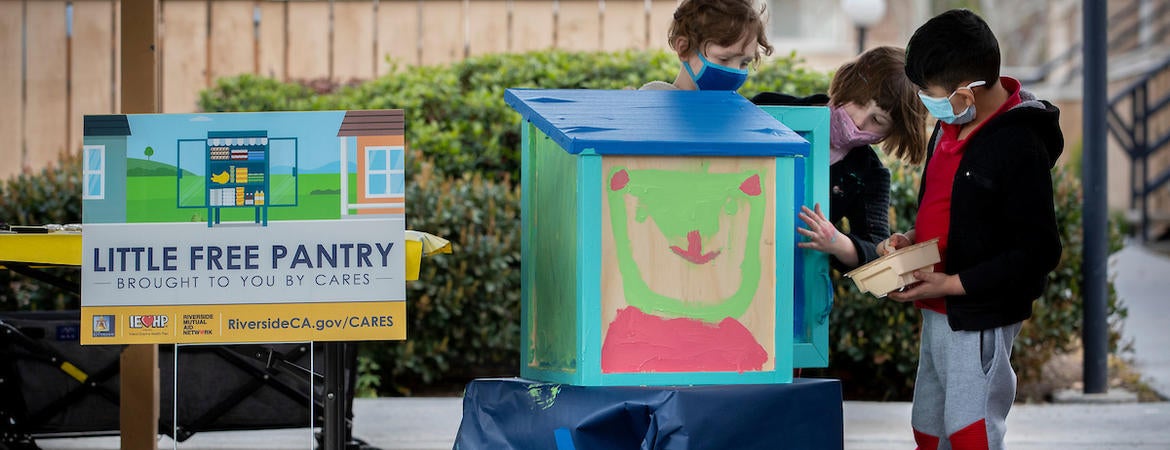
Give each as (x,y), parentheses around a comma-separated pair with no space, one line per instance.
(456,113)
(464,320)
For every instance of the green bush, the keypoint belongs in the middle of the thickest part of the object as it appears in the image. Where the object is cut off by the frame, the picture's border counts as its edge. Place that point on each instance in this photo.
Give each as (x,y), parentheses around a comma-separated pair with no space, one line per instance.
(875,342)
(52,195)
(456,115)
(248,93)
(464,320)
(1057,323)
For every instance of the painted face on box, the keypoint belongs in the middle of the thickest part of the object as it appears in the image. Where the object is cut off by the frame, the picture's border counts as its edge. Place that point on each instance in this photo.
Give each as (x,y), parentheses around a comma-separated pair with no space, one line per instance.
(692,245)
(688,243)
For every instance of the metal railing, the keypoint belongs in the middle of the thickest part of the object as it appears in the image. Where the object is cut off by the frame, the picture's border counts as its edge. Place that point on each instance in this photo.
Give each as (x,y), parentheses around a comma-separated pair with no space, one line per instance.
(1135,30)
(1145,99)
(1132,27)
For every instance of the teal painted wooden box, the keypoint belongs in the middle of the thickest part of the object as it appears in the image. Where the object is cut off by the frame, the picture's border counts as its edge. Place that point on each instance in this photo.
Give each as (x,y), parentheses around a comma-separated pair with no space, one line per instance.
(658,238)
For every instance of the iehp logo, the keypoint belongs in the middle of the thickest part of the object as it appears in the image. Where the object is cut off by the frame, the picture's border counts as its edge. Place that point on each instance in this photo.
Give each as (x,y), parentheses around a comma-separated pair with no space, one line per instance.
(149,321)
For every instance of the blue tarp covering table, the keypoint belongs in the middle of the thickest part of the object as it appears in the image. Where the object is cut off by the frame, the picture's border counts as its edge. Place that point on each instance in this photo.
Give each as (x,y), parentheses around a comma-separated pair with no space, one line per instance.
(514,413)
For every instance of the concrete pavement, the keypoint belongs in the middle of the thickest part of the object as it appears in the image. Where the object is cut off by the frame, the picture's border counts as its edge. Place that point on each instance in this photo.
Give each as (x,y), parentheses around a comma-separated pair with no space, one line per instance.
(431,424)
(1142,280)
(1146,426)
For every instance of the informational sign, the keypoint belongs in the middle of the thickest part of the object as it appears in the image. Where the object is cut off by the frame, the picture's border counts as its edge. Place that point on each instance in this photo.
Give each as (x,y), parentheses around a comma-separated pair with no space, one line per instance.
(243,227)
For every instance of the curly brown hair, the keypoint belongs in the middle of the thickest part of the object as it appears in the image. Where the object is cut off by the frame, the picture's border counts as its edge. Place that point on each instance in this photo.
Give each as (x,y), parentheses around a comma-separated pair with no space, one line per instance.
(879,75)
(723,22)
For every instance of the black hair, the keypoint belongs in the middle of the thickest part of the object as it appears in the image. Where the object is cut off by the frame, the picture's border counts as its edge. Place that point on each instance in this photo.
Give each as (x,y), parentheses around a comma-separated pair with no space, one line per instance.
(951,48)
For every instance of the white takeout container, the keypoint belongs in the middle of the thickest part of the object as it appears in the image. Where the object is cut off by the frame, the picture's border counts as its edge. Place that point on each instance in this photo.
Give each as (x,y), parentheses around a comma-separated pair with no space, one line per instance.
(895,270)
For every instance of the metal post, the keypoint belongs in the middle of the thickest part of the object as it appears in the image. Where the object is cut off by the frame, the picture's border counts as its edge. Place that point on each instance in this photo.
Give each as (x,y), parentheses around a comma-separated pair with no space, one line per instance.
(335,397)
(1141,132)
(860,39)
(1145,187)
(1096,225)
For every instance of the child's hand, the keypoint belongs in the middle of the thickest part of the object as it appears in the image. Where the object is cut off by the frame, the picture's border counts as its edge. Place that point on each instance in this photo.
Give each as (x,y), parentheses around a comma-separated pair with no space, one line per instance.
(894,242)
(930,285)
(822,235)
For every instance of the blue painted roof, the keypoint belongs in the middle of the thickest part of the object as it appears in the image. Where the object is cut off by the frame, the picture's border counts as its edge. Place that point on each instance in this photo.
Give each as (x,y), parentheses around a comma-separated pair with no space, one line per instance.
(627,122)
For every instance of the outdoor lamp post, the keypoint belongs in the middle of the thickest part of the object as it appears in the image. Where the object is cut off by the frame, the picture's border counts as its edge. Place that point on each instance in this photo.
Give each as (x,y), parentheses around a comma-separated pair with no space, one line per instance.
(863,13)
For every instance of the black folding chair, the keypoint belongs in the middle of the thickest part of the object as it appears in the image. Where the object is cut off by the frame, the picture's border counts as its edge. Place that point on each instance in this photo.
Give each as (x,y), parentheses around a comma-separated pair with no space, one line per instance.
(51,386)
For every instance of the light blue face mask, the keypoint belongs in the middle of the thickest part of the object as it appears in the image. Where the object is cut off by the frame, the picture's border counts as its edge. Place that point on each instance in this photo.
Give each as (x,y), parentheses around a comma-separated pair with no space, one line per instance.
(940,107)
(714,77)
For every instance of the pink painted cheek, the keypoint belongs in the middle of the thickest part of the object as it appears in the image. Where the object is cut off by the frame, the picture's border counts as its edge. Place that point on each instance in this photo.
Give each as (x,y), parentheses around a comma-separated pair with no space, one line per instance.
(619,180)
(751,186)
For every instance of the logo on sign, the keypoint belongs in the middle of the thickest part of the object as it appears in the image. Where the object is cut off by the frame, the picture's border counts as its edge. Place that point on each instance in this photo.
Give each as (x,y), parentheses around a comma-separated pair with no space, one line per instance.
(103,325)
(149,321)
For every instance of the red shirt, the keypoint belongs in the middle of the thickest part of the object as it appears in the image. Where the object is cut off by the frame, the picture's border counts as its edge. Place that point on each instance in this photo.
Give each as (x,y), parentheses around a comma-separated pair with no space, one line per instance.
(934,211)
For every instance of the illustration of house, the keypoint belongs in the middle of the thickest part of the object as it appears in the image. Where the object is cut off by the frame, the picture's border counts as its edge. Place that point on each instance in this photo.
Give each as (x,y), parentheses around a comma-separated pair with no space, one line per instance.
(104,152)
(380,143)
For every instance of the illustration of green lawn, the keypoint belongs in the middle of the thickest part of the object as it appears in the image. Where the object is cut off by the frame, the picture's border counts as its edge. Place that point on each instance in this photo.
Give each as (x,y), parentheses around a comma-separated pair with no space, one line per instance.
(156,199)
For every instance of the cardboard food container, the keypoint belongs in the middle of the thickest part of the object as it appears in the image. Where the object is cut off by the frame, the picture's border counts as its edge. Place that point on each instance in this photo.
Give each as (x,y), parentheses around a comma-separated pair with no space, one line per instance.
(895,270)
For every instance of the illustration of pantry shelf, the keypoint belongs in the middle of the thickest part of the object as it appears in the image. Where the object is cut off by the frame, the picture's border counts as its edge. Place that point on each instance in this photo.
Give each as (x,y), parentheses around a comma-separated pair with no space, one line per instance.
(237,162)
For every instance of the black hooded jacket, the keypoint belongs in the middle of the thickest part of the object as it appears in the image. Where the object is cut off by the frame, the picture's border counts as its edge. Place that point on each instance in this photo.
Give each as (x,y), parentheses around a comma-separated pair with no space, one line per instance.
(1003,239)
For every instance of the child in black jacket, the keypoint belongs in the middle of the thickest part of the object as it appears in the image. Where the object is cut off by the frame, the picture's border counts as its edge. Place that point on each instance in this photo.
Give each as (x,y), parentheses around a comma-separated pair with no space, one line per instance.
(986,194)
(870,101)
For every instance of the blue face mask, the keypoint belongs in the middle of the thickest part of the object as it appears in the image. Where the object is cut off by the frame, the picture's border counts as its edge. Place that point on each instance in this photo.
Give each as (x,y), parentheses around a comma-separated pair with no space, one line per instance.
(714,77)
(941,107)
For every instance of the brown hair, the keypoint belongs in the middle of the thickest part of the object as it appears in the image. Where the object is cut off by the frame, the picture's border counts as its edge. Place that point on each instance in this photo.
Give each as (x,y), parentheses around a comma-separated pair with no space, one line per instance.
(723,22)
(879,75)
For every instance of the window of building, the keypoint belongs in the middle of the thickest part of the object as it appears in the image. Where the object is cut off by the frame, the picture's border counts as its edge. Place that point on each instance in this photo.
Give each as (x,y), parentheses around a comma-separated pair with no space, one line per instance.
(385,174)
(94,172)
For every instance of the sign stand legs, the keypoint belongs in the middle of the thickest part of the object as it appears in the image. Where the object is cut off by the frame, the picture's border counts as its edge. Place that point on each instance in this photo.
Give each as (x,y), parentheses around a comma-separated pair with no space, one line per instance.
(336,406)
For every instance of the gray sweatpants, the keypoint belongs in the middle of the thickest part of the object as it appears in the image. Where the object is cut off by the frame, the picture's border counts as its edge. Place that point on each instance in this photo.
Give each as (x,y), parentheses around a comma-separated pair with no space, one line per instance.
(965,386)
